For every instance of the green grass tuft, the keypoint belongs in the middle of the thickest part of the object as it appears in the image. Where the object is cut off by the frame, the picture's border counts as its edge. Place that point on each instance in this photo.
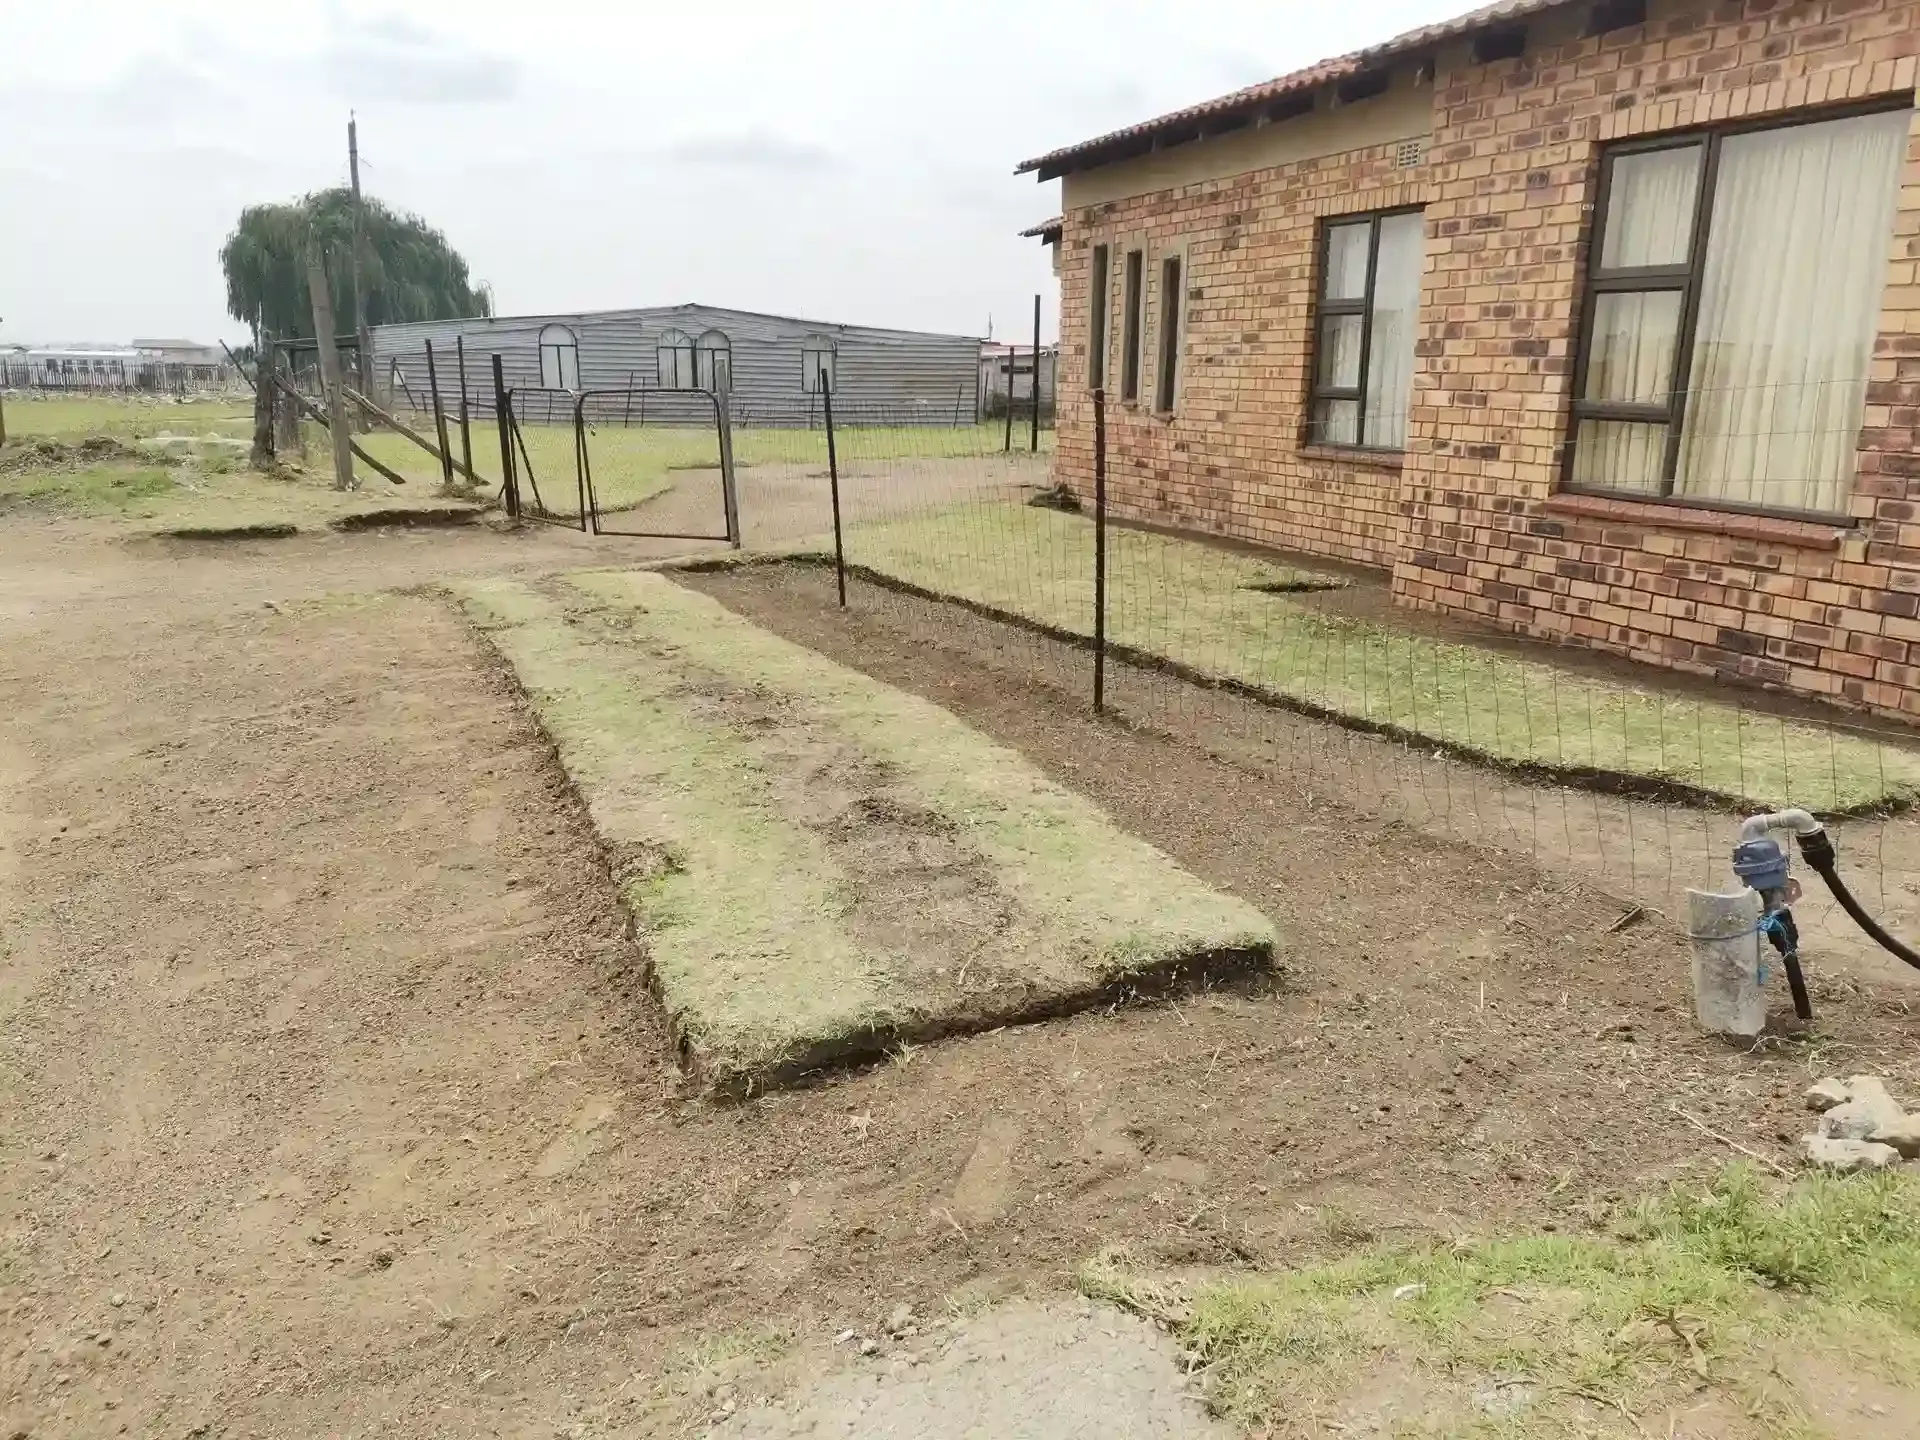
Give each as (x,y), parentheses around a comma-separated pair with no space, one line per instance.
(1708,1286)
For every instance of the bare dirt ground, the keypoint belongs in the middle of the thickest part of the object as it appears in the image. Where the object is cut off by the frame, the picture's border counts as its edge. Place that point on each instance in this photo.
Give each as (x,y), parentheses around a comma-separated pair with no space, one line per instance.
(330,1103)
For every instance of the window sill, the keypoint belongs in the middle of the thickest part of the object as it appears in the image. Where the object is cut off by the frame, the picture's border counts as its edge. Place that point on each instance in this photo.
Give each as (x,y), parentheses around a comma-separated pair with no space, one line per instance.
(1357,455)
(1737,524)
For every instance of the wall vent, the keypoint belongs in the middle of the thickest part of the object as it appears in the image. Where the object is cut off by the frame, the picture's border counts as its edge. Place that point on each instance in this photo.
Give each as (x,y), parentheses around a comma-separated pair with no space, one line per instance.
(1409,153)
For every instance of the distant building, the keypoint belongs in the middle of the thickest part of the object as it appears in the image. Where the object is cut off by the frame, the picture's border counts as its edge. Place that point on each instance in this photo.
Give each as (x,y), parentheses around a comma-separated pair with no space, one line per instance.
(770,367)
(1008,369)
(143,365)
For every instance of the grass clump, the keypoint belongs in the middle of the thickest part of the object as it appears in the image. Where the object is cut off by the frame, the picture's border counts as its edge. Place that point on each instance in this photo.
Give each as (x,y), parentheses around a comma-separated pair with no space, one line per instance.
(1726,1289)
(1229,616)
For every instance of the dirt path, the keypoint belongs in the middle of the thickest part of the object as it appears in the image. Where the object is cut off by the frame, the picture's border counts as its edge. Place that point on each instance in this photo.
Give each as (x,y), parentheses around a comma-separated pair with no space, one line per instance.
(330,1104)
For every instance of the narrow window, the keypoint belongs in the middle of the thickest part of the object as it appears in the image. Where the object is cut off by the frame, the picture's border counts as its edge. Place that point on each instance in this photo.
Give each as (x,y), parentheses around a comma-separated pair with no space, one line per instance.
(559,359)
(1363,350)
(1097,301)
(818,365)
(673,360)
(713,362)
(1169,334)
(1733,293)
(1133,295)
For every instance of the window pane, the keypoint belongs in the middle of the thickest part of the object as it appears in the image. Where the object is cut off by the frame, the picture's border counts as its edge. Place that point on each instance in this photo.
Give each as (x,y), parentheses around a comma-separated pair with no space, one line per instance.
(1631,347)
(1336,422)
(1097,321)
(1340,351)
(1396,305)
(1346,277)
(1619,455)
(1650,208)
(1789,301)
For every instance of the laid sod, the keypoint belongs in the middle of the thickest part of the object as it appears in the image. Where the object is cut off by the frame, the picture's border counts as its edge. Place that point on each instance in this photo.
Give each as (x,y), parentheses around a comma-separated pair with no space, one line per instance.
(1786,1313)
(1227,616)
(822,865)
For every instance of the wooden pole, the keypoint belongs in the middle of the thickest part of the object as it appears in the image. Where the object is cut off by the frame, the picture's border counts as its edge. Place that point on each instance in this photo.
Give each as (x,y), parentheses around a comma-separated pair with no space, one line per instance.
(261,455)
(405,430)
(330,382)
(439,421)
(363,355)
(305,405)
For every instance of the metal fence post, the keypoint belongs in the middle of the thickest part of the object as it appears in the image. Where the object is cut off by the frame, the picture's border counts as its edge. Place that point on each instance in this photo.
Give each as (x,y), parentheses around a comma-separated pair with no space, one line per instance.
(1012,360)
(1036,377)
(503,422)
(833,489)
(1099,551)
(439,421)
(466,435)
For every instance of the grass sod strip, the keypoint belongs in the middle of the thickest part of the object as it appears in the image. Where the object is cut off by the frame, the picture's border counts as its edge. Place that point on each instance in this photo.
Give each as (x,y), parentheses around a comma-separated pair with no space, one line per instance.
(1123,905)
(764,952)
(740,903)
(1218,615)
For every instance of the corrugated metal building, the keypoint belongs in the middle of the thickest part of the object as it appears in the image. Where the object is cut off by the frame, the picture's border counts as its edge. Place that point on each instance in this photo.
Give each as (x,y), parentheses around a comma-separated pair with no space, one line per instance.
(768,365)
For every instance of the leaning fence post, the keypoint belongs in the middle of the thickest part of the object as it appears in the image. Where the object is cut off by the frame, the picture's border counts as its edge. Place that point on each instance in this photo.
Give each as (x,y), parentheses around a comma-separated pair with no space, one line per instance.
(439,421)
(1099,551)
(833,489)
(1012,359)
(503,422)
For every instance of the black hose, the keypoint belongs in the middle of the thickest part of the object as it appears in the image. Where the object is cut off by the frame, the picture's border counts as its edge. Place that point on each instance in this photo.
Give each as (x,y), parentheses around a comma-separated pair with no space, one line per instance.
(1819,853)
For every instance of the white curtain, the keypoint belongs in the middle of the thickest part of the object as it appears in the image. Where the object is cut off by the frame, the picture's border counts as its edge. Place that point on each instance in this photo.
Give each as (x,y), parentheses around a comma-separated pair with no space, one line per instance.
(1396,308)
(1650,201)
(1620,455)
(1790,299)
(1346,277)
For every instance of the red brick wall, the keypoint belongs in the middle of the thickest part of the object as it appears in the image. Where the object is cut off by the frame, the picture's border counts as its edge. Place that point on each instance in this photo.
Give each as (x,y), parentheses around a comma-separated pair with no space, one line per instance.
(1229,460)
(1824,610)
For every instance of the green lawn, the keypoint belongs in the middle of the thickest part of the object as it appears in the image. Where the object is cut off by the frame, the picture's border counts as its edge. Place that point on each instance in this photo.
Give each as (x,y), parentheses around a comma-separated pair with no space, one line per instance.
(823,865)
(1774,1309)
(631,464)
(1201,606)
(135,417)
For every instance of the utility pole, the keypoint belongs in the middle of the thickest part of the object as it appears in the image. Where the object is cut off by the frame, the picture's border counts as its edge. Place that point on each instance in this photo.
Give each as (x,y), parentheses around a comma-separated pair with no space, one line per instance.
(364,360)
(330,380)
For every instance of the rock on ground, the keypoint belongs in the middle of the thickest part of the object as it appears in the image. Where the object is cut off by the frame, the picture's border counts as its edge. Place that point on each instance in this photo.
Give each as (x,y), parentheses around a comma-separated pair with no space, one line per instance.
(1064,1371)
(1867,1108)
(1844,1156)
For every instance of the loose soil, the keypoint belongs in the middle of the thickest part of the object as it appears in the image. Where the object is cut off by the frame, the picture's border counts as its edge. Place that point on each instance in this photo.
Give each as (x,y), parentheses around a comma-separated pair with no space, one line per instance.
(334,1105)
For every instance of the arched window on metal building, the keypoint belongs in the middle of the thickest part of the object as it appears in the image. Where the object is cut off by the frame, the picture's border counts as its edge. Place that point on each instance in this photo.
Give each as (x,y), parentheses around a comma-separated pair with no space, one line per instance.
(713,362)
(818,361)
(559,359)
(675,354)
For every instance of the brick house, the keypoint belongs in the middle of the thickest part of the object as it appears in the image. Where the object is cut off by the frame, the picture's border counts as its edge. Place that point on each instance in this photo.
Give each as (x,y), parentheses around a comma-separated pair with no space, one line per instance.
(1598,321)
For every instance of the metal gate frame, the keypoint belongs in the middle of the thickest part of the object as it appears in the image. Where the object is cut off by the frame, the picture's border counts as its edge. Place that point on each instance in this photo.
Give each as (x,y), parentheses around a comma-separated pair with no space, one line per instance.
(723,429)
(511,440)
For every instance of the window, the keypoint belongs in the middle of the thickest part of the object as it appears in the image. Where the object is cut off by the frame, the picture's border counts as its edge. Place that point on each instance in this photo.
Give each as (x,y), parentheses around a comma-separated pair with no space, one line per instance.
(818,365)
(1169,368)
(1134,296)
(1363,350)
(1097,302)
(673,360)
(1733,292)
(713,363)
(559,359)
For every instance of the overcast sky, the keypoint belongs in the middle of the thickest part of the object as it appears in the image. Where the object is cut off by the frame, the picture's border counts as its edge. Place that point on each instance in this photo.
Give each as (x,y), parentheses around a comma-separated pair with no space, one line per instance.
(849,161)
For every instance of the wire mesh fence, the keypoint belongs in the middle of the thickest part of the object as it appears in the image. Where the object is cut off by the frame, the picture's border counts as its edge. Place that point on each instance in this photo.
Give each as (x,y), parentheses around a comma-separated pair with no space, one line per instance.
(1633,778)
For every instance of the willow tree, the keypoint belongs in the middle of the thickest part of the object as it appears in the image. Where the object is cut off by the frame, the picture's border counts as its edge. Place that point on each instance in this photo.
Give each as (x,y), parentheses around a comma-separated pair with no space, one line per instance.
(408,270)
